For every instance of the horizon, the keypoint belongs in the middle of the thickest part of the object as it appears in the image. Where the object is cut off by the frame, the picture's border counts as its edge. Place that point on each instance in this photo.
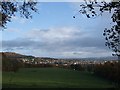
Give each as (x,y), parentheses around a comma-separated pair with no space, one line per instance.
(65,58)
(55,33)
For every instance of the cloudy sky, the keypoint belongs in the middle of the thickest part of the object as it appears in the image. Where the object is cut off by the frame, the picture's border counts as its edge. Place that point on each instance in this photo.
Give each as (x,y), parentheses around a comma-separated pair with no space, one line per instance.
(55,33)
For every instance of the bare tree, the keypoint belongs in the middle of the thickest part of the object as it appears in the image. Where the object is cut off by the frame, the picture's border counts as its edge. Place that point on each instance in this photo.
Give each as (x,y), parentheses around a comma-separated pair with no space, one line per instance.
(112,35)
(9,9)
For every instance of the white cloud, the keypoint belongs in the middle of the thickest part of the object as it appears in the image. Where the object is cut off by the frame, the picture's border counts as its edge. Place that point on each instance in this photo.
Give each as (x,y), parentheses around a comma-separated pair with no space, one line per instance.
(54,34)
(60,42)
(21,20)
(13,30)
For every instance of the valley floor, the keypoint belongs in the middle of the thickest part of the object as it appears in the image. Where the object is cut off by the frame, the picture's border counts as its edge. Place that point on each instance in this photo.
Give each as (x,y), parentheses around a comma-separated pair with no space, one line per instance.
(52,78)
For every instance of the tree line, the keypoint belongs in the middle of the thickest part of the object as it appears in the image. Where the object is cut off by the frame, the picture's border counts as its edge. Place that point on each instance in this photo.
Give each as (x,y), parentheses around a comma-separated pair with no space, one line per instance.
(109,71)
(9,64)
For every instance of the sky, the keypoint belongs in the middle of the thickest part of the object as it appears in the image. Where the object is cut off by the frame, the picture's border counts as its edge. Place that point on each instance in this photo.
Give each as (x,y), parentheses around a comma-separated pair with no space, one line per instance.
(53,32)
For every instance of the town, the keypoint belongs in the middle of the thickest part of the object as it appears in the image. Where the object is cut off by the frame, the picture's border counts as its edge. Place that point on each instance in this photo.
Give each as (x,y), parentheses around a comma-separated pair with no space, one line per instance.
(27,59)
(65,62)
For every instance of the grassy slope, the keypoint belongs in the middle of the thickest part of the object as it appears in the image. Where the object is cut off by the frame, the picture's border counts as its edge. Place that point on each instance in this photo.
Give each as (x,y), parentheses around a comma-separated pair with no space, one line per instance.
(52,77)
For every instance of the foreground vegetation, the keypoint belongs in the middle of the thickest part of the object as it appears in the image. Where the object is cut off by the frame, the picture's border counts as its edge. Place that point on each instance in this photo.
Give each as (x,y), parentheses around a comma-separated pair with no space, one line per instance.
(52,78)
(19,74)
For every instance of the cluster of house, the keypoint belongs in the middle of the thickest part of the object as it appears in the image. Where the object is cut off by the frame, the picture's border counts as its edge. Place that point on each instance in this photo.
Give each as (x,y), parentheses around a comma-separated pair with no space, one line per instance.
(62,61)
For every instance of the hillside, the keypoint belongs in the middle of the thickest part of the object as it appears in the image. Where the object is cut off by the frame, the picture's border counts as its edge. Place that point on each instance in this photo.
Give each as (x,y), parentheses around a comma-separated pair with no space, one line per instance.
(14,55)
(52,78)
(17,56)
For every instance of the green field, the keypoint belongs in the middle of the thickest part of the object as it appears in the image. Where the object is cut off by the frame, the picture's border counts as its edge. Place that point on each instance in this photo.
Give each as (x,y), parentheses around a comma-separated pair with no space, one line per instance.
(52,78)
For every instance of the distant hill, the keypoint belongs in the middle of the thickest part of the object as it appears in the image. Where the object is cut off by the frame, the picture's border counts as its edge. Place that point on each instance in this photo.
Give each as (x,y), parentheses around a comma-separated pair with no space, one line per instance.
(94,58)
(17,55)
(102,58)
(12,55)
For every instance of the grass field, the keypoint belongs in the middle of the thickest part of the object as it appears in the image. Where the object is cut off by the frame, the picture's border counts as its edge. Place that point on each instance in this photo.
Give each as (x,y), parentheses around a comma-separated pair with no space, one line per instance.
(52,78)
